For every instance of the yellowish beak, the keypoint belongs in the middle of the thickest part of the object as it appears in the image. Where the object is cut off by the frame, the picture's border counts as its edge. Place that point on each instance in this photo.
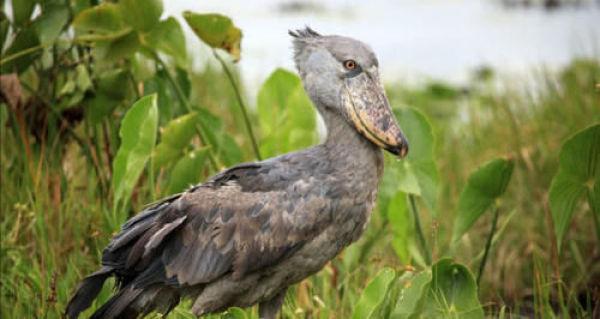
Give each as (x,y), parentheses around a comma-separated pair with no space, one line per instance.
(369,110)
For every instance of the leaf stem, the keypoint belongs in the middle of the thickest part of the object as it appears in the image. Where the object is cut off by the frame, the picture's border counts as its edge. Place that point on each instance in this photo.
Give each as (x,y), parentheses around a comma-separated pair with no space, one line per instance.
(420,236)
(488,244)
(151,179)
(241,103)
(183,99)
(22,53)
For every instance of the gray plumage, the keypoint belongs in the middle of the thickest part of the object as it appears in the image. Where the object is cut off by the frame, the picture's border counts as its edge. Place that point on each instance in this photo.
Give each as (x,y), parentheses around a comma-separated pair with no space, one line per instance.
(248,233)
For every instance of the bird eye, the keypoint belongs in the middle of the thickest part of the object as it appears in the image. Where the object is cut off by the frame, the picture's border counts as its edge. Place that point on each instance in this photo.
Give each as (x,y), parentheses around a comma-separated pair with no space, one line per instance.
(350,64)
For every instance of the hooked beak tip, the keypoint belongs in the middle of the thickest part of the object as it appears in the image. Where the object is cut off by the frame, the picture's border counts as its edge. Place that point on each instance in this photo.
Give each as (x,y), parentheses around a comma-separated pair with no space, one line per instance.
(400,150)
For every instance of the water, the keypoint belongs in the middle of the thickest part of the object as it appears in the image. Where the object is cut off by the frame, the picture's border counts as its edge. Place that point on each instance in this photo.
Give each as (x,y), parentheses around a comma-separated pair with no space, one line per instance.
(414,39)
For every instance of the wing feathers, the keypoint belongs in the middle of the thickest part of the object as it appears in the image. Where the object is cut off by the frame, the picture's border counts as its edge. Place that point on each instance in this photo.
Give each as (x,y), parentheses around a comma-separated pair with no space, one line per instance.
(243,220)
(158,237)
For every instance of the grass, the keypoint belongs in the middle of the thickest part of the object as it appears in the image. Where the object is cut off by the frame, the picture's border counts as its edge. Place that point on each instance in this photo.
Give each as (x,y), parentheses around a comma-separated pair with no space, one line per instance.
(53,203)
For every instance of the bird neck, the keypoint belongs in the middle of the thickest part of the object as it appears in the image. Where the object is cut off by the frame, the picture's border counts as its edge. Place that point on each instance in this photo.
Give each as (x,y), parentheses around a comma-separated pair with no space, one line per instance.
(346,145)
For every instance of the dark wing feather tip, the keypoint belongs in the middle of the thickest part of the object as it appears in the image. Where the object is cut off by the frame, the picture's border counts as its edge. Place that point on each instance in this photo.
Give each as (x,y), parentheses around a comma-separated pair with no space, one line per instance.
(87,291)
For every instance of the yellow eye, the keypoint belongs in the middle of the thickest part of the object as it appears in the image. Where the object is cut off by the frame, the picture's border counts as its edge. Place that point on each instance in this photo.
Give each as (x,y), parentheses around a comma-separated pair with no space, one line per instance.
(350,64)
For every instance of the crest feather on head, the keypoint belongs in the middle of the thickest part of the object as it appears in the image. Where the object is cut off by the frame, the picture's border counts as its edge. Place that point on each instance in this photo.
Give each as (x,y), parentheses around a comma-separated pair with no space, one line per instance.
(306,33)
(303,38)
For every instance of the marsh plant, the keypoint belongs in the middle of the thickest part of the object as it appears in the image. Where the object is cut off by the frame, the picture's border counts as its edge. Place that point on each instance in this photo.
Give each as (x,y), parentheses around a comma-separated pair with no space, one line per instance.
(495,211)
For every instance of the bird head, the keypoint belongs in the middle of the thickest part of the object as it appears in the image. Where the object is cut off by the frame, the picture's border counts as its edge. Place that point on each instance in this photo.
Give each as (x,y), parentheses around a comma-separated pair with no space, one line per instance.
(342,74)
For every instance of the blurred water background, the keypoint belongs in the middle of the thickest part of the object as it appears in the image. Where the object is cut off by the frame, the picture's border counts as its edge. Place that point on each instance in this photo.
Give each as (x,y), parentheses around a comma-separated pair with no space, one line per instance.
(415,40)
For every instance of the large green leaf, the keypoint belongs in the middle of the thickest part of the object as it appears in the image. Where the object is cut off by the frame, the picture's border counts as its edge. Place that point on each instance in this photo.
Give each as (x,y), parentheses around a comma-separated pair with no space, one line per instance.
(138,136)
(123,46)
(187,171)
(22,10)
(414,289)
(26,39)
(417,173)
(401,225)
(578,174)
(100,22)
(286,117)
(374,295)
(168,38)
(175,137)
(483,188)
(218,31)
(142,15)
(51,22)
(452,293)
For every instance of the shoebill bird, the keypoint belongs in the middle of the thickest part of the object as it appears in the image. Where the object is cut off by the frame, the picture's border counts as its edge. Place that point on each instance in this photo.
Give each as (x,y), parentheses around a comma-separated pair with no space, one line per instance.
(248,233)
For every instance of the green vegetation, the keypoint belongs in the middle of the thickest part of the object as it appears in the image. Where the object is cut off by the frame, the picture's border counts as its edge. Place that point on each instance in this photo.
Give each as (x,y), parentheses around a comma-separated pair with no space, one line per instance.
(494,212)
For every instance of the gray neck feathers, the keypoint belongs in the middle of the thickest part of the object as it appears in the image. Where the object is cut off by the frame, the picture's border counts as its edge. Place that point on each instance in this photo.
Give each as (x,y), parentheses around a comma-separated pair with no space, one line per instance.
(345,145)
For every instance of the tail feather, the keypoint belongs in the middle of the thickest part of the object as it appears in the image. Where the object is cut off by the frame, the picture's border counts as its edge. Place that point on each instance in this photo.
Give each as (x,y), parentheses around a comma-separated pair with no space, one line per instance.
(87,291)
(132,301)
(121,305)
(134,258)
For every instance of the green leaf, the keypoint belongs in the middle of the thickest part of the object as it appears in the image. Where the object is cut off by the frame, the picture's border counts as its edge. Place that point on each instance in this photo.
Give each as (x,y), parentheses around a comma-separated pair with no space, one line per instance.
(374,295)
(414,290)
(236,313)
(224,144)
(213,125)
(286,117)
(160,86)
(123,46)
(229,151)
(142,67)
(578,174)
(68,88)
(114,84)
(483,188)
(180,131)
(138,136)
(167,37)
(183,79)
(401,224)
(82,78)
(142,15)
(51,22)
(104,20)
(417,173)
(69,101)
(25,39)
(79,5)
(452,293)
(98,107)
(22,10)
(218,31)
(4,26)
(187,171)
(175,137)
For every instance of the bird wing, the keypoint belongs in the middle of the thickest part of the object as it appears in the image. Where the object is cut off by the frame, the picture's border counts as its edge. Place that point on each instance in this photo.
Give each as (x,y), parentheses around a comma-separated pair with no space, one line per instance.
(229,224)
